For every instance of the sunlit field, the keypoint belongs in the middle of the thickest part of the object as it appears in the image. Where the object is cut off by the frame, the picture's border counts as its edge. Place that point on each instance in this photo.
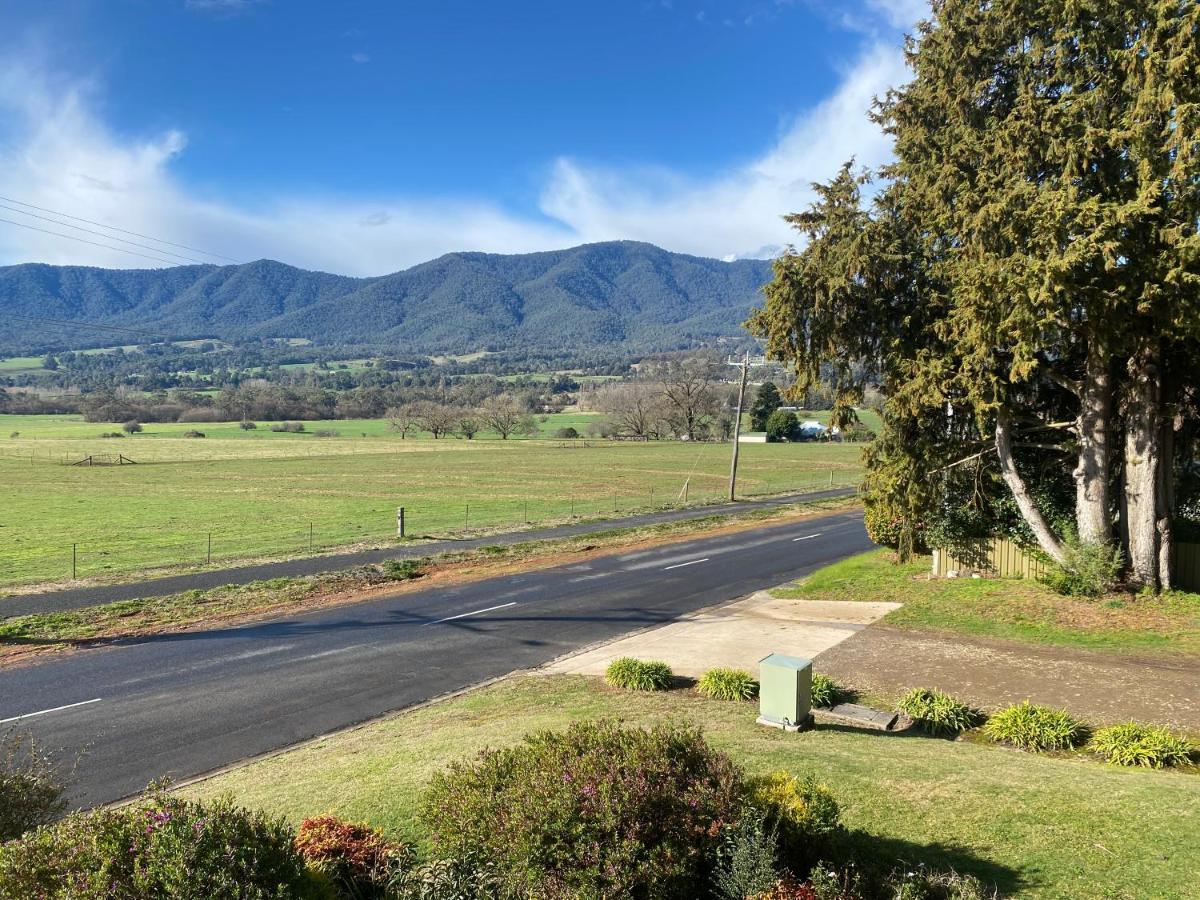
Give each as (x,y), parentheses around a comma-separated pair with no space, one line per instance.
(256,493)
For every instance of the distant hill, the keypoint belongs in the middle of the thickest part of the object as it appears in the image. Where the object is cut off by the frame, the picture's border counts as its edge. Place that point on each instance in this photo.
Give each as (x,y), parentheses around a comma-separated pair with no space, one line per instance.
(622,294)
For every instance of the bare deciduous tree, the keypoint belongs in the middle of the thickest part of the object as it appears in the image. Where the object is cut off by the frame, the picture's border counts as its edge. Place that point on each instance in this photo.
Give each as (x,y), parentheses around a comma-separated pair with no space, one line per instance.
(504,415)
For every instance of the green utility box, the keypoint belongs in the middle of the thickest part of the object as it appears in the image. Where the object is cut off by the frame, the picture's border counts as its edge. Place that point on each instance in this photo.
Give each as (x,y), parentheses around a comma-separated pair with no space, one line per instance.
(785,692)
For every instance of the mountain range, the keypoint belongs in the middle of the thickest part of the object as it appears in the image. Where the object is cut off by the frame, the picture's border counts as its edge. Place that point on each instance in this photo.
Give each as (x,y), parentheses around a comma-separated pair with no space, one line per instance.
(621,294)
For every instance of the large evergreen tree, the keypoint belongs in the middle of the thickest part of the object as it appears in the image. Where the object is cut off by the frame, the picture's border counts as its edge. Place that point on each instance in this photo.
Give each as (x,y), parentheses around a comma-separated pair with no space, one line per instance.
(1026,282)
(766,401)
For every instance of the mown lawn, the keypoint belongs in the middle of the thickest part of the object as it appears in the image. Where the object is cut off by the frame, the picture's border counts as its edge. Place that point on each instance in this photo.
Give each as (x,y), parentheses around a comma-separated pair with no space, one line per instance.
(259,492)
(1008,608)
(1035,826)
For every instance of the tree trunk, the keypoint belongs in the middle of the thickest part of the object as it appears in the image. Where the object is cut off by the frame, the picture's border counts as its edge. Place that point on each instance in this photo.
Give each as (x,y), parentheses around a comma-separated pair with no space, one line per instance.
(1166,503)
(1033,516)
(1093,506)
(1142,460)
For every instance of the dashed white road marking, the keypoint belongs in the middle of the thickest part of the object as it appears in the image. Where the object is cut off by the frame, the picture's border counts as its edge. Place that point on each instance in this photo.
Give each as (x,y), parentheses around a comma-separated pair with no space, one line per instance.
(42,712)
(474,613)
(689,563)
(807,537)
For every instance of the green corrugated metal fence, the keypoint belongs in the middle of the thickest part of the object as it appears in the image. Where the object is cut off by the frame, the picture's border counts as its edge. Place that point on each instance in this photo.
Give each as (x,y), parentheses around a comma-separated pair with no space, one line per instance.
(1003,558)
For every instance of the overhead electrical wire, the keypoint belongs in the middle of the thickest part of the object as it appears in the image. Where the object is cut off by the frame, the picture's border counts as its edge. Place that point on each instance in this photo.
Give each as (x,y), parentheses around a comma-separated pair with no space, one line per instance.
(71,237)
(107,237)
(120,230)
(72,323)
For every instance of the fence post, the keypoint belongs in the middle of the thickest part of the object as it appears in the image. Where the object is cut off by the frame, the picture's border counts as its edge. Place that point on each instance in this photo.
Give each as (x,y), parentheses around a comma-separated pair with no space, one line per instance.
(831,477)
(400,521)
(526,512)
(210,548)
(74,555)
(467,517)
(310,537)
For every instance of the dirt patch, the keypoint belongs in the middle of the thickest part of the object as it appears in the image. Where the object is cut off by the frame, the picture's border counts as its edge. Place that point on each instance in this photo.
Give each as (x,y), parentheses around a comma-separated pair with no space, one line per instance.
(1099,688)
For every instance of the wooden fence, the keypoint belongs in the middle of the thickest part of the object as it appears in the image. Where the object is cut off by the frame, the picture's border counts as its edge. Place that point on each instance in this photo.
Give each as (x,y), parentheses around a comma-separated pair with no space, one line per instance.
(1002,558)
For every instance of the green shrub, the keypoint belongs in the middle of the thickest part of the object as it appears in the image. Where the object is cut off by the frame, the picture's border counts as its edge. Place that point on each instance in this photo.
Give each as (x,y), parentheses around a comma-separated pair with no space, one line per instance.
(923,883)
(884,527)
(802,812)
(826,692)
(162,846)
(31,788)
(1090,570)
(747,857)
(402,569)
(1036,728)
(595,811)
(1132,744)
(782,425)
(728,684)
(938,713)
(638,675)
(359,861)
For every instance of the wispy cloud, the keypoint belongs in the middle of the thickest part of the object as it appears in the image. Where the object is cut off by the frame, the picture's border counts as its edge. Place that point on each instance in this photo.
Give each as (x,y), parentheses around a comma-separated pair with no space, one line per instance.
(360,58)
(223,6)
(59,154)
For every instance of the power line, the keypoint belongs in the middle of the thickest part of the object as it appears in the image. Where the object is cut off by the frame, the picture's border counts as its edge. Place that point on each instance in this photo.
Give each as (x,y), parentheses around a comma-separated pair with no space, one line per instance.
(121,230)
(94,325)
(71,237)
(108,237)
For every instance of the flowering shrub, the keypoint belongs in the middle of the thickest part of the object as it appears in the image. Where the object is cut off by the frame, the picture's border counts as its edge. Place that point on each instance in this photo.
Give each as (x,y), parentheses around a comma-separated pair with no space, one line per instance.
(803,813)
(360,861)
(163,846)
(787,889)
(595,811)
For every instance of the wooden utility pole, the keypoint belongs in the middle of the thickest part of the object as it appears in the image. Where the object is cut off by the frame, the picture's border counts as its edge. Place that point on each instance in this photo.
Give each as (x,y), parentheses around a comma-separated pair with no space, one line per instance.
(744,364)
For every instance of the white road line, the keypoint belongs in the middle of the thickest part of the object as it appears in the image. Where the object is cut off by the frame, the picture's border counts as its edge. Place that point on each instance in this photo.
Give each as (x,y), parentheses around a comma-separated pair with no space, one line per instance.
(681,565)
(475,613)
(42,712)
(589,577)
(807,537)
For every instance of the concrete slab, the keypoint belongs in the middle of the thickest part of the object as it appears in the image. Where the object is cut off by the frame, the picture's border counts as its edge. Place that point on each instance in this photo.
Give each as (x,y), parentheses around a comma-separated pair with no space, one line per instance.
(736,635)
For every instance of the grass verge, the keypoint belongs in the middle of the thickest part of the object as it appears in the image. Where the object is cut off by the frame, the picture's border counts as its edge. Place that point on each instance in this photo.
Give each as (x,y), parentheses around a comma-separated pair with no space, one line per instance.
(1019,610)
(1035,826)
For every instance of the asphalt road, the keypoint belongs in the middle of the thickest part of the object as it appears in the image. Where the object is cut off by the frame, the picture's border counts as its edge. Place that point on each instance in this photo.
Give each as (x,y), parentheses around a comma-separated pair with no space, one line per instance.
(184,704)
(95,595)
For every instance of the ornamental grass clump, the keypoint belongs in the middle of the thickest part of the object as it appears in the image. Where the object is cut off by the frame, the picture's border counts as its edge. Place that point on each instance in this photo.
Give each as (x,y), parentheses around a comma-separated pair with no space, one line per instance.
(728,684)
(937,713)
(1035,728)
(638,675)
(826,692)
(1132,744)
(598,810)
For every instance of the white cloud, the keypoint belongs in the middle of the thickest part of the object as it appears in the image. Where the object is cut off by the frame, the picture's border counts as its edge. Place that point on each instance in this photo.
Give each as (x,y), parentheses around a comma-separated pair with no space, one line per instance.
(736,212)
(901,13)
(360,57)
(56,153)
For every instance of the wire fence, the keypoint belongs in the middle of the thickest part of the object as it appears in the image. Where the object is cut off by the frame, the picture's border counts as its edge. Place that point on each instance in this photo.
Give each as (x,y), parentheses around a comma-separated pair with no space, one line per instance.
(198,546)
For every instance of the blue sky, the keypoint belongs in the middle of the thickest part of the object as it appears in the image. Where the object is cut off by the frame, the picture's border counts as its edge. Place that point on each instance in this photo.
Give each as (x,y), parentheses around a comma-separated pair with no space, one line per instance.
(362,137)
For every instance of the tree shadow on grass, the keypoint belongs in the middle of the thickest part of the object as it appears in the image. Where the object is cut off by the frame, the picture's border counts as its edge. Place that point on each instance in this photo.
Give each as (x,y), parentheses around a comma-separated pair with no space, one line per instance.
(878,857)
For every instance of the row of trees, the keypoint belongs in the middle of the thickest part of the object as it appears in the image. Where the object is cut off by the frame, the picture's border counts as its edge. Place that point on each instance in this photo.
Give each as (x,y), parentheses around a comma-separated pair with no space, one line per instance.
(503,414)
(1024,282)
(677,396)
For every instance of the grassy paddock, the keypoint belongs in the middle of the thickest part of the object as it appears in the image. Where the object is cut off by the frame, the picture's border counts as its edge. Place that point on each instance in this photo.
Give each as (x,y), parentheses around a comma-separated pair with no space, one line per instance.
(1008,608)
(258,492)
(1039,827)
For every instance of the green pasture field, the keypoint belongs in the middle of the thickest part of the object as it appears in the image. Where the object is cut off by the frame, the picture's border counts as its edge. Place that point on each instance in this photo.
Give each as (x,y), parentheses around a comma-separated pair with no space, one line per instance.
(258,493)
(17,365)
